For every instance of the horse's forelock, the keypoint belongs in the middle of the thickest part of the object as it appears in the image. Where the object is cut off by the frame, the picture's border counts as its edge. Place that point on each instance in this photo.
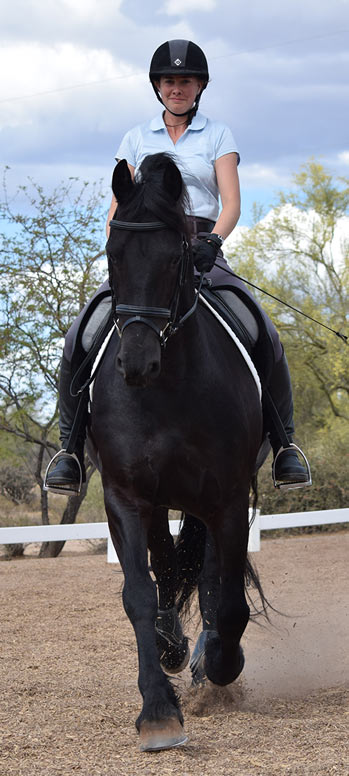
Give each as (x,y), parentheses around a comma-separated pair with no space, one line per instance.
(151,196)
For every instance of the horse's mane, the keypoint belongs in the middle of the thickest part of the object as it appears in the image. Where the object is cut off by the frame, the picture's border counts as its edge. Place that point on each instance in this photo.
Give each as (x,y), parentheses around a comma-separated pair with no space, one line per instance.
(151,196)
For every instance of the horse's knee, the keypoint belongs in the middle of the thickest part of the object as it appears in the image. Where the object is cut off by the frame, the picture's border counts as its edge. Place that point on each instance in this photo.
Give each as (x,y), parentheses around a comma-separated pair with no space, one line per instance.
(140,599)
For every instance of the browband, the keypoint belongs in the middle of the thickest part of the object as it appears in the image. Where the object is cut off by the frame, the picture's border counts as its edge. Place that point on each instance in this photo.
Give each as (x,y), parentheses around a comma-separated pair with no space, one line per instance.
(152,312)
(133,226)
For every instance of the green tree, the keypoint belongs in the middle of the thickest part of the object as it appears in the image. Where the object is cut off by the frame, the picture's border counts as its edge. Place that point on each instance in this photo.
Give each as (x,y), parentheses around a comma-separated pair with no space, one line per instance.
(51,261)
(299,252)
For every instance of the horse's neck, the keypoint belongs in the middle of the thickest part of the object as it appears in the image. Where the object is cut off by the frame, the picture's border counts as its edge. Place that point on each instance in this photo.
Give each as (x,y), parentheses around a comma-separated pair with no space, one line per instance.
(187,300)
(188,294)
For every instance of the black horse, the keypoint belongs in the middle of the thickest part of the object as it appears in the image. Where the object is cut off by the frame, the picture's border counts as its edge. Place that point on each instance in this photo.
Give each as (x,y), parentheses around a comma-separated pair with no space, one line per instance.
(176,423)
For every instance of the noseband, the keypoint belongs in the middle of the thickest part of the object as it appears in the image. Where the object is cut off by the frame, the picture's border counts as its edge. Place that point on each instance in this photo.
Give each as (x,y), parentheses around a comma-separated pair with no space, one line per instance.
(141,314)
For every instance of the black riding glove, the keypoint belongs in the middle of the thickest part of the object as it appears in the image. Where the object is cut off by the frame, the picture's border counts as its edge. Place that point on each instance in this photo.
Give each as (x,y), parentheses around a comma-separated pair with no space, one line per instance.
(205,248)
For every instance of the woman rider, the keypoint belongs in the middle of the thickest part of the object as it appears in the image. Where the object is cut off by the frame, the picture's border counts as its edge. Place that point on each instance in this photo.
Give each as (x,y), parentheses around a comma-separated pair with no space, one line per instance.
(207,156)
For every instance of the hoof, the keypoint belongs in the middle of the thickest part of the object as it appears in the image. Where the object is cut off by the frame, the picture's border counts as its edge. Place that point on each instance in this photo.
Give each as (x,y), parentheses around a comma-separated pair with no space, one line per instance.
(169,659)
(172,645)
(219,673)
(156,736)
(197,663)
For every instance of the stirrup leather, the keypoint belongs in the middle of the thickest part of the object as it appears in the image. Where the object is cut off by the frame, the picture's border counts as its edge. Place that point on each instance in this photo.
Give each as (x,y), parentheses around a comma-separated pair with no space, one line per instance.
(68,490)
(291,485)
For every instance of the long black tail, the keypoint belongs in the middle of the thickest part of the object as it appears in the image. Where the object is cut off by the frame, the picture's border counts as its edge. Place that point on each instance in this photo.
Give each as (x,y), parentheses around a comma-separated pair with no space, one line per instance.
(190,551)
(251,573)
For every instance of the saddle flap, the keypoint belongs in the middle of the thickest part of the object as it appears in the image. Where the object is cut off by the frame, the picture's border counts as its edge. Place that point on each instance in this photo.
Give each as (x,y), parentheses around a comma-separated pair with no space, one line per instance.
(244,318)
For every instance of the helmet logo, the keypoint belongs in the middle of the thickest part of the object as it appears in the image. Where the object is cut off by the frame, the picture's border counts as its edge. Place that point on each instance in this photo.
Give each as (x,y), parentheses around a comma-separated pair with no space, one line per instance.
(177,62)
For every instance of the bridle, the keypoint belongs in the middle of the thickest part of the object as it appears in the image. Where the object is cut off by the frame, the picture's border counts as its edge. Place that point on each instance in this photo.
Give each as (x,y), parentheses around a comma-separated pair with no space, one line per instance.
(142,314)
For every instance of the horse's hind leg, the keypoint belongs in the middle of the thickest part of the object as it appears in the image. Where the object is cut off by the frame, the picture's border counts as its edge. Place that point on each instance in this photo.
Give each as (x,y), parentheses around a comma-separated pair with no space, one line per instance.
(208,591)
(172,644)
(223,654)
(160,722)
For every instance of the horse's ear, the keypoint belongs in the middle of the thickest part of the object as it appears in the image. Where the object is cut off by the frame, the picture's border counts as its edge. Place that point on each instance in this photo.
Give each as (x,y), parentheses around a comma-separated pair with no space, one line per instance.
(173,182)
(122,184)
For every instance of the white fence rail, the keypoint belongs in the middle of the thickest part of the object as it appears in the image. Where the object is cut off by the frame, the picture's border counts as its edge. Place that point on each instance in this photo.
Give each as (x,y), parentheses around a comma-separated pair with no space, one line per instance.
(76,531)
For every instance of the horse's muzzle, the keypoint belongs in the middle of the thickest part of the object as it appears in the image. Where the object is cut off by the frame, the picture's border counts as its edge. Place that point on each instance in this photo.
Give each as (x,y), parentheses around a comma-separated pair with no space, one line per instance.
(140,364)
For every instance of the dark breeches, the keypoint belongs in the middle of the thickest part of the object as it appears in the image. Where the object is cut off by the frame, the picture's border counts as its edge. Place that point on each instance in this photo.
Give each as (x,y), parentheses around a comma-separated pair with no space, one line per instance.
(219,278)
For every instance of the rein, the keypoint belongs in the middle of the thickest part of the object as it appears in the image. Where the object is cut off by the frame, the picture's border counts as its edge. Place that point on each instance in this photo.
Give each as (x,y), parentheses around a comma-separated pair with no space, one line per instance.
(143,314)
(339,334)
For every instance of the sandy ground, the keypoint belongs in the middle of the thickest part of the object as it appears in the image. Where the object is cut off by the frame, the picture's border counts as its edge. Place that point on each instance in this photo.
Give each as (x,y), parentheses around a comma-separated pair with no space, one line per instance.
(68,662)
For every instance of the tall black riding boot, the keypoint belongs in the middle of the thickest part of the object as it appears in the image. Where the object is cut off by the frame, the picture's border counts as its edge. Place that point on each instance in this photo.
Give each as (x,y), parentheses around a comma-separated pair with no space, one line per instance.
(69,471)
(287,467)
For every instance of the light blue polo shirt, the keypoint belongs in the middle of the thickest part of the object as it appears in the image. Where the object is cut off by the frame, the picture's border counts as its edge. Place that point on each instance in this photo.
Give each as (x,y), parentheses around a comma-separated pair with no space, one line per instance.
(195,153)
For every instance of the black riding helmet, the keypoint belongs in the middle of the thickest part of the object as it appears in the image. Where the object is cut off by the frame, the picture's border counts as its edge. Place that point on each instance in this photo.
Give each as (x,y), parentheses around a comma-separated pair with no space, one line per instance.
(179,57)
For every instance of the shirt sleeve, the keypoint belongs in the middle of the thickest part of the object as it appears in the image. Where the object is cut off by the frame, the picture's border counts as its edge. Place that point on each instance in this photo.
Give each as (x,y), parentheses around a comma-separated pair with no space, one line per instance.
(128,148)
(226,143)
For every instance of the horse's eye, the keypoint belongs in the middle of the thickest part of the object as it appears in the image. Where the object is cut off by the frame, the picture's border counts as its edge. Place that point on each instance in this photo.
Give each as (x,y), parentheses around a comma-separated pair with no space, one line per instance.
(175,259)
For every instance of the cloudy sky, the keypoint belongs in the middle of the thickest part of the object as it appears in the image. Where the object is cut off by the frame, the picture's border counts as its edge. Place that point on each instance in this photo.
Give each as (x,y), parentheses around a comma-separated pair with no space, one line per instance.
(73,77)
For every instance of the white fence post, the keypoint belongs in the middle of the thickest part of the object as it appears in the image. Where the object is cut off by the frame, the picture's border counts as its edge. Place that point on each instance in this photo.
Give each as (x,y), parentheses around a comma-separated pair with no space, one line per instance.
(254,537)
(111,554)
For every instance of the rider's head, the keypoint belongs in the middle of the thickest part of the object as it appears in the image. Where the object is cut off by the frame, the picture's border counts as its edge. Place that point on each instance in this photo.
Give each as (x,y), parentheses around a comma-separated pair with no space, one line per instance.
(179,58)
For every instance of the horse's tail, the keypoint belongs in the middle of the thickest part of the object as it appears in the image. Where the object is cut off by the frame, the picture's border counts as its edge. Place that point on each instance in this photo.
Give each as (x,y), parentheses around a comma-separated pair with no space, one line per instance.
(190,551)
(252,580)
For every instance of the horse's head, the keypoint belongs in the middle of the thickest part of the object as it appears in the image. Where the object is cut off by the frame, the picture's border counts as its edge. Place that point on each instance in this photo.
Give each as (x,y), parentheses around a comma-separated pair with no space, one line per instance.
(147,252)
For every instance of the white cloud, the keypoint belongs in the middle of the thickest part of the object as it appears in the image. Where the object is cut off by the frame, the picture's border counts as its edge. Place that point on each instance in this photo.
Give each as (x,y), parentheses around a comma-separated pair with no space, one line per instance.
(344,157)
(28,68)
(178,7)
(304,222)
(49,69)
(90,9)
(262,176)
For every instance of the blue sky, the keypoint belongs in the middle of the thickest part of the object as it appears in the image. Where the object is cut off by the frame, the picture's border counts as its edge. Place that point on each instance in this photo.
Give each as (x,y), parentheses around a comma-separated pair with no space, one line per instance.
(73,79)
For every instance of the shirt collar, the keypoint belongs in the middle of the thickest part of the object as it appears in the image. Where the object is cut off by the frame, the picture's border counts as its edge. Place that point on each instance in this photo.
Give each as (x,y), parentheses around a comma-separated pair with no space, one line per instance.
(199,122)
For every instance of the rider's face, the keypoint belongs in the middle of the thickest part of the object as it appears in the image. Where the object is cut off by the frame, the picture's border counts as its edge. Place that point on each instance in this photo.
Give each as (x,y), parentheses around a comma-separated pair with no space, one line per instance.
(178,93)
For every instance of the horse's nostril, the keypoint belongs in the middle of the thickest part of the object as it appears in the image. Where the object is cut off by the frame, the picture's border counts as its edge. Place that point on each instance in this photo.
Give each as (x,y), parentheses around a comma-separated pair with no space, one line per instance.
(119,365)
(154,368)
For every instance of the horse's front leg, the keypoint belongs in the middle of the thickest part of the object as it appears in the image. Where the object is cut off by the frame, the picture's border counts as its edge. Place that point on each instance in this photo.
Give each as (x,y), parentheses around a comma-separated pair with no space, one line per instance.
(160,723)
(224,659)
(172,644)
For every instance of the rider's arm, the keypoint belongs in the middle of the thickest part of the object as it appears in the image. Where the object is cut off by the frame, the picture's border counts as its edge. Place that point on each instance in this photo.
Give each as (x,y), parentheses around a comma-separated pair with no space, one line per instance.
(229,189)
(114,204)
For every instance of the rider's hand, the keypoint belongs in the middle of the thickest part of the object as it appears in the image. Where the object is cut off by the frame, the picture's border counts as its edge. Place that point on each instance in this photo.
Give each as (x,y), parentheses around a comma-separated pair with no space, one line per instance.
(205,248)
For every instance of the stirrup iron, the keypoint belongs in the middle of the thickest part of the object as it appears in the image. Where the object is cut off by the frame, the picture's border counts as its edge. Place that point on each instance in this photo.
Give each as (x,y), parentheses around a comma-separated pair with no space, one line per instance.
(291,485)
(65,489)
